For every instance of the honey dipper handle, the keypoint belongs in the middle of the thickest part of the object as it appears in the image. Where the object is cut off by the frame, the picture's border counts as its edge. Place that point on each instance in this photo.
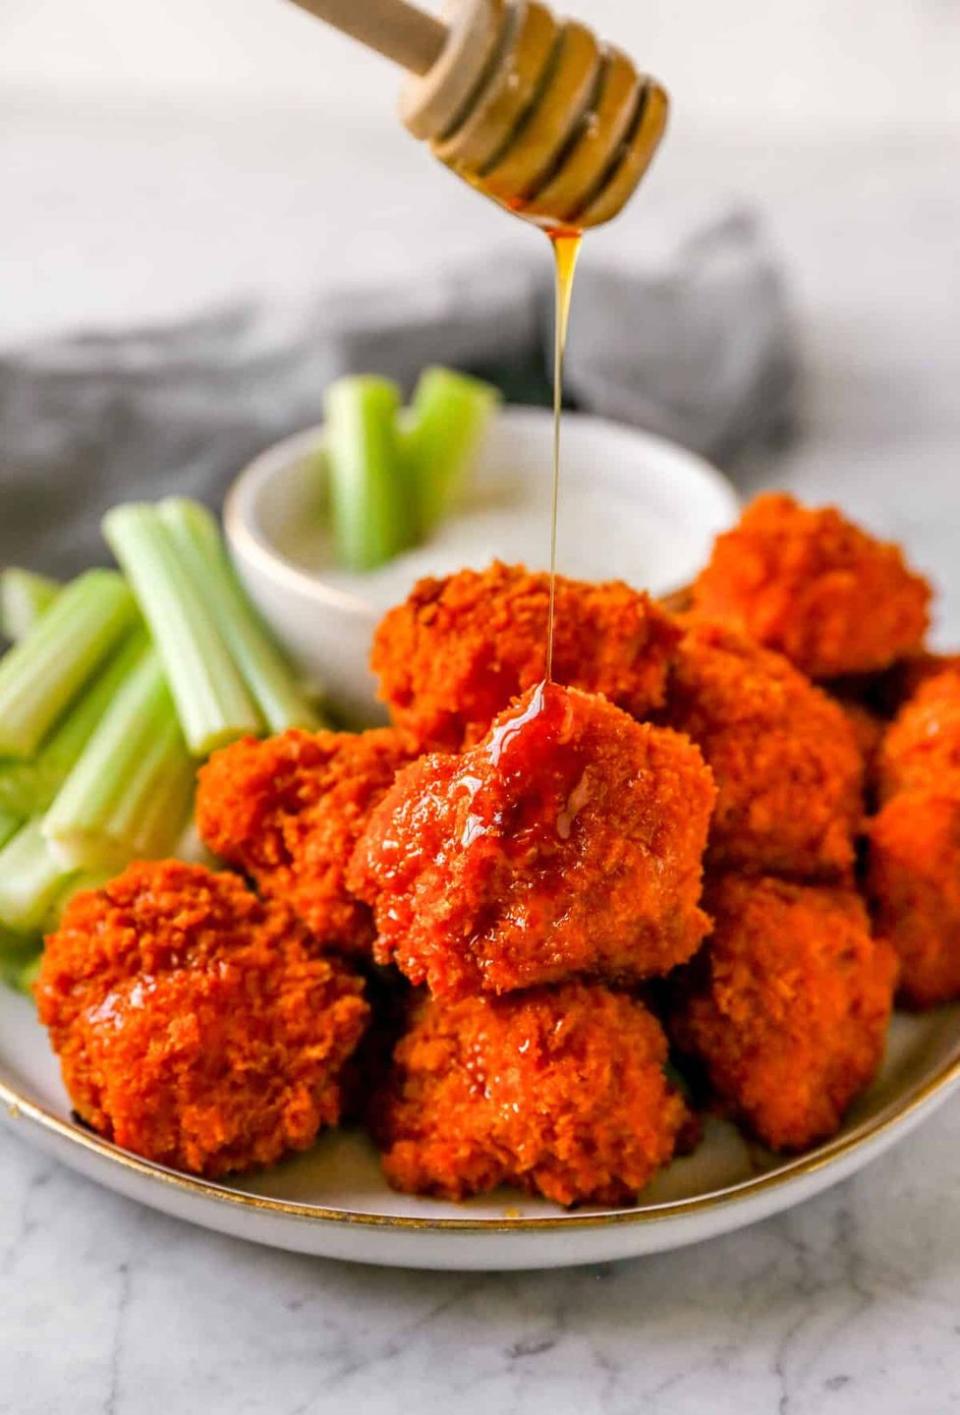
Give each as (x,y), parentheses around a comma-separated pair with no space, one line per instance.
(408,36)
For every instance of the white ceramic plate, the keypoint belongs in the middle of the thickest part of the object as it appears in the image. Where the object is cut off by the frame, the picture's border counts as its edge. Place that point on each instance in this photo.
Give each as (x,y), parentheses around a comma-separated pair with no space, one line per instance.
(632,506)
(333,1201)
(665,505)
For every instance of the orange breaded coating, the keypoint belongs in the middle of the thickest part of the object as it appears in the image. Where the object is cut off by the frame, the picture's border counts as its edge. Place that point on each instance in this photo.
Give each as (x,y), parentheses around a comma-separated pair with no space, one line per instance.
(814,586)
(289,810)
(921,749)
(913,883)
(459,650)
(783,756)
(193,1023)
(568,842)
(787,1008)
(558,1090)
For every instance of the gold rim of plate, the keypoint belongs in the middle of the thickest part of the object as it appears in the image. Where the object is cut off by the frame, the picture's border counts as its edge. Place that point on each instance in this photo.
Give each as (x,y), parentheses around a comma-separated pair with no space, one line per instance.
(891,1115)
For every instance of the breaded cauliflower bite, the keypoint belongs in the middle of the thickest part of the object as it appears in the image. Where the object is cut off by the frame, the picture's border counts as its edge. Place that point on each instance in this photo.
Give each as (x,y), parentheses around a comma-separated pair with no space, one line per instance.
(787,1008)
(921,749)
(457,652)
(913,883)
(289,810)
(815,587)
(783,755)
(559,1090)
(568,842)
(193,1023)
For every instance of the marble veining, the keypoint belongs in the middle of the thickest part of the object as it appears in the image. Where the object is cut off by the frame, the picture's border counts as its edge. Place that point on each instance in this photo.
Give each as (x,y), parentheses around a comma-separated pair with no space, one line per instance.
(850,1303)
(847,1303)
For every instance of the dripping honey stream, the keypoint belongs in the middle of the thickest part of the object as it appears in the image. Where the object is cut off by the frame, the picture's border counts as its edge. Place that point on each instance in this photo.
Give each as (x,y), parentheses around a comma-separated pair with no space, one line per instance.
(566,249)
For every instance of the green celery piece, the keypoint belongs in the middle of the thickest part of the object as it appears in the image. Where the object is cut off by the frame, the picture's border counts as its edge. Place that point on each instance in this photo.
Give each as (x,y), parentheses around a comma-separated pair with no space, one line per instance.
(211,699)
(41,675)
(84,879)
(371,499)
(31,877)
(9,825)
(26,975)
(22,791)
(24,596)
(152,818)
(447,418)
(28,788)
(21,788)
(105,813)
(199,544)
(19,960)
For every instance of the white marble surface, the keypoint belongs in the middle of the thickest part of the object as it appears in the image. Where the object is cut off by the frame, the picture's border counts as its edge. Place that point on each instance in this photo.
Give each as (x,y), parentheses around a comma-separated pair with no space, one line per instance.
(851,1303)
(848,1304)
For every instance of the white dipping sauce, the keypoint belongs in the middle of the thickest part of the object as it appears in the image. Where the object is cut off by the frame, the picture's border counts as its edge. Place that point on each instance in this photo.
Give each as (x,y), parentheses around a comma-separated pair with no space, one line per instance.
(619,519)
(631,507)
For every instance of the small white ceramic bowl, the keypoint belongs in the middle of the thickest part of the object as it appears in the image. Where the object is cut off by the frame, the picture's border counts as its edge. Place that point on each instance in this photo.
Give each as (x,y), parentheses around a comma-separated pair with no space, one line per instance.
(632,506)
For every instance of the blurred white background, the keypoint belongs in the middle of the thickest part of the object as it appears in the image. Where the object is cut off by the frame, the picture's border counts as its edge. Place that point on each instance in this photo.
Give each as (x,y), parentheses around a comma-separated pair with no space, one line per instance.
(160,159)
(794,65)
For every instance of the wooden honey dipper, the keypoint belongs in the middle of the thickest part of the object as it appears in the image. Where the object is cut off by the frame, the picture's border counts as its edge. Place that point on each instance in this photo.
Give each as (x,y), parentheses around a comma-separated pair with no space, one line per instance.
(532,110)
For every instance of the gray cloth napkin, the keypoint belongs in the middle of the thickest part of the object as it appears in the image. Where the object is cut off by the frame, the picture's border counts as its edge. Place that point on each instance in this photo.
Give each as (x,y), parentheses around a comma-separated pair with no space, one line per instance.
(699,347)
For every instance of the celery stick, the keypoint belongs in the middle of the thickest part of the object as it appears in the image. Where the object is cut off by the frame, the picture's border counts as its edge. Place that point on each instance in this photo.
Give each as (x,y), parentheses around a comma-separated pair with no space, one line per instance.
(84,879)
(212,702)
(31,877)
(448,415)
(27,974)
(372,502)
(192,849)
(19,960)
(28,788)
(23,598)
(198,543)
(21,790)
(152,818)
(105,813)
(41,674)
(9,825)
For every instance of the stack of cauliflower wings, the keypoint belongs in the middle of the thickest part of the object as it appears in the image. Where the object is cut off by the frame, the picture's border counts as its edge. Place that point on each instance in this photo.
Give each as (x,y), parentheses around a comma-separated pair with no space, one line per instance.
(530,929)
